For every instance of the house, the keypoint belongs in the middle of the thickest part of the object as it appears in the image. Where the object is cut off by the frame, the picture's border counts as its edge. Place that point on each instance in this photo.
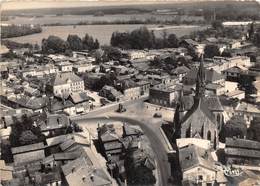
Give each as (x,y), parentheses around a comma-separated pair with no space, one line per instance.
(215,89)
(193,46)
(180,71)
(134,54)
(28,153)
(162,95)
(63,84)
(248,111)
(164,79)
(109,139)
(233,73)
(197,165)
(242,151)
(80,68)
(55,124)
(144,87)
(211,76)
(35,104)
(245,179)
(65,66)
(110,93)
(220,64)
(131,130)
(82,172)
(132,92)
(29,91)
(80,102)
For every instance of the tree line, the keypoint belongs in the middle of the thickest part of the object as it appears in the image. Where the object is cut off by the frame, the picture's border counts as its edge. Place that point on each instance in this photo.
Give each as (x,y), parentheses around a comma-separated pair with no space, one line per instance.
(17,31)
(143,38)
(54,44)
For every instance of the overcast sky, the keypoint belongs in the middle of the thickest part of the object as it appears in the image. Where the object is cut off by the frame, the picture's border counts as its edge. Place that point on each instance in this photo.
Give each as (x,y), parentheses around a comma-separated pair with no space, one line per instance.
(26,4)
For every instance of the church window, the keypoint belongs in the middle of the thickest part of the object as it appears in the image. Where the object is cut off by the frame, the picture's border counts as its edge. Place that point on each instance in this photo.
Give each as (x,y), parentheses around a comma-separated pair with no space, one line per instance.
(218,118)
(187,133)
(209,135)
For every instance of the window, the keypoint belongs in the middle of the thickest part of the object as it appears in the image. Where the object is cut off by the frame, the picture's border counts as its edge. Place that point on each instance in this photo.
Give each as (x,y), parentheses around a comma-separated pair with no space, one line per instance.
(209,136)
(200,177)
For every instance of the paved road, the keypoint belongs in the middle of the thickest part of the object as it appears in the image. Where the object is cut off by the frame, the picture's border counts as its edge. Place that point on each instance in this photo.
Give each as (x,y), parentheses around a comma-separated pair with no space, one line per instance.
(156,144)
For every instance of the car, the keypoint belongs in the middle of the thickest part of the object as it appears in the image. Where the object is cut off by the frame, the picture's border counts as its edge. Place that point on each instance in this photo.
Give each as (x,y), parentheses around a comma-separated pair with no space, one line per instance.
(121,108)
(157,115)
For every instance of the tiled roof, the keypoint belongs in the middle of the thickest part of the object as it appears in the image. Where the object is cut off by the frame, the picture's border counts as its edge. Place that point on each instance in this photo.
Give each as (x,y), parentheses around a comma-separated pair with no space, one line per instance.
(79,97)
(242,152)
(192,156)
(27,148)
(80,172)
(55,121)
(242,143)
(63,78)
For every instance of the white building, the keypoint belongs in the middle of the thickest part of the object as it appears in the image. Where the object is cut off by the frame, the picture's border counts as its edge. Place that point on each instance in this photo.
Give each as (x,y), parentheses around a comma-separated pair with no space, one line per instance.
(66,83)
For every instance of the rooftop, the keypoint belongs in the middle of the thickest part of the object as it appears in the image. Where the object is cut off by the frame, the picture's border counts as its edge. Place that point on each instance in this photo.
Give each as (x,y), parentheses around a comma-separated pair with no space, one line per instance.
(192,156)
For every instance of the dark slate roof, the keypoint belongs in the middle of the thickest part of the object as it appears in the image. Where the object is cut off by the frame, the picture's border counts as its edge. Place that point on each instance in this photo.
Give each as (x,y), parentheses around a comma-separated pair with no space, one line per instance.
(242,152)
(198,112)
(242,143)
(78,172)
(213,103)
(79,97)
(180,70)
(192,156)
(107,133)
(55,121)
(27,148)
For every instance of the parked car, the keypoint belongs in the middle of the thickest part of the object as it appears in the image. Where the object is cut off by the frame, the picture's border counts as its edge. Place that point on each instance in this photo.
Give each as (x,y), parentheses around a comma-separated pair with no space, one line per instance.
(121,108)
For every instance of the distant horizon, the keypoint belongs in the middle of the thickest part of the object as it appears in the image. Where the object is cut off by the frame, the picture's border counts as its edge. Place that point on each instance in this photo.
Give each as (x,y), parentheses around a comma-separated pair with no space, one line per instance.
(43,4)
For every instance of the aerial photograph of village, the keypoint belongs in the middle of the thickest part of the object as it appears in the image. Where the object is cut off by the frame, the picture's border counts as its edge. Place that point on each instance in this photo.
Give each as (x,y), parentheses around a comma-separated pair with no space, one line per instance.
(130,93)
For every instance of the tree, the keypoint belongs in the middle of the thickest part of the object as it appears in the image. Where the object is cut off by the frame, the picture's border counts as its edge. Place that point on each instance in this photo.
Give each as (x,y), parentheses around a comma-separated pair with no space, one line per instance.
(89,43)
(24,132)
(27,137)
(112,53)
(254,130)
(235,127)
(226,53)
(211,51)
(54,44)
(139,168)
(217,25)
(173,41)
(74,42)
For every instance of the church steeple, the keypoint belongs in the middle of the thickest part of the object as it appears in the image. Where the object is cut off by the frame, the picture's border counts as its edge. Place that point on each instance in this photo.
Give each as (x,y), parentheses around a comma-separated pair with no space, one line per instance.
(200,83)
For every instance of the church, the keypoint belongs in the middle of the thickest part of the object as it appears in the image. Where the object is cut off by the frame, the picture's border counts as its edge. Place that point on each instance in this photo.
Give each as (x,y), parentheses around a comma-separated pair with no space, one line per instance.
(202,117)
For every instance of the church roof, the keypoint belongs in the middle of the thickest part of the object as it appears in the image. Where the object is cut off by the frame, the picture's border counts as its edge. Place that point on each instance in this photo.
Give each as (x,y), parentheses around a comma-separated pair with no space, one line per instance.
(199,113)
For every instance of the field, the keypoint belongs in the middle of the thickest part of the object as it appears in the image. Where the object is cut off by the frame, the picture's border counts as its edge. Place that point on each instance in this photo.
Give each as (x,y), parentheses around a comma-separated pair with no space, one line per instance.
(101,32)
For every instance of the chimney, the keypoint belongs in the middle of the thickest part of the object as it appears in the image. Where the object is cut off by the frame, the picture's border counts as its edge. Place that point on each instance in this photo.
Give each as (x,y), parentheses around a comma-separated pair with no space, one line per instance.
(73,169)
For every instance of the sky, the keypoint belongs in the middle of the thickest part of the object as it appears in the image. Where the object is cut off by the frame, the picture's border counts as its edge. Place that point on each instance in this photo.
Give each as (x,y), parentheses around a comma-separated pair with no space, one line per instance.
(28,4)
